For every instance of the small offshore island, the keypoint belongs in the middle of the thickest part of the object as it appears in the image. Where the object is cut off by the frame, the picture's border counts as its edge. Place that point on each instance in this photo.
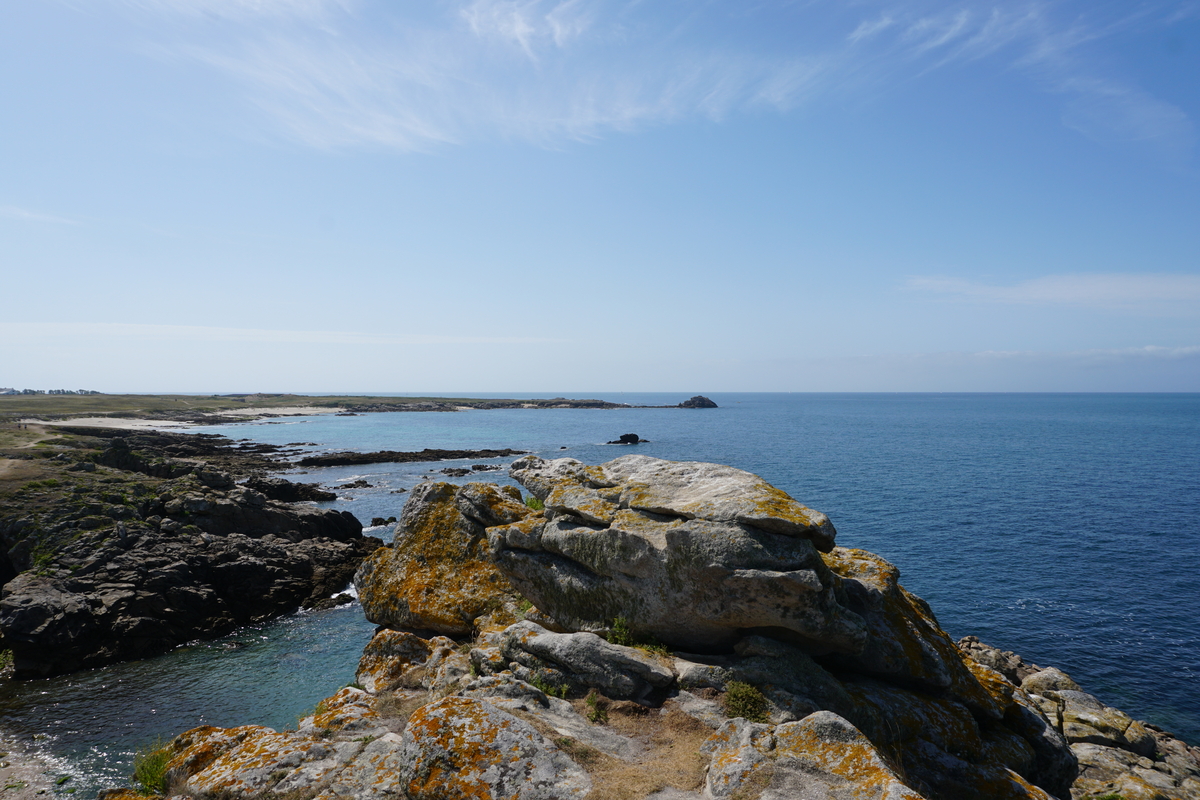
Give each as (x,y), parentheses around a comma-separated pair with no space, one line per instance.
(641,628)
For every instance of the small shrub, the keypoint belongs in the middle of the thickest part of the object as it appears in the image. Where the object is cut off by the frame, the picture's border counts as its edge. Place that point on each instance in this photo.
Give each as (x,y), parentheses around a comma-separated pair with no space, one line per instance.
(150,769)
(743,700)
(597,708)
(6,659)
(524,606)
(534,503)
(619,633)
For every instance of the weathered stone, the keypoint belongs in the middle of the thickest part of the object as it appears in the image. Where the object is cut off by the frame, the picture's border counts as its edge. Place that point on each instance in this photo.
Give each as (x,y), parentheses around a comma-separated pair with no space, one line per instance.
(398,659)
(437,575)
(246,761)
(1086,720)
(822,757)
(464,747)
(586,660)
(907,645)
(1006,662)
(1048,680)
(691,554)
(516,696)
(794,684)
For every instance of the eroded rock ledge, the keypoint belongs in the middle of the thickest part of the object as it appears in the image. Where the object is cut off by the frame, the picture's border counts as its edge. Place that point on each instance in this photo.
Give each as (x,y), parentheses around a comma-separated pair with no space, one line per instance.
(671,631)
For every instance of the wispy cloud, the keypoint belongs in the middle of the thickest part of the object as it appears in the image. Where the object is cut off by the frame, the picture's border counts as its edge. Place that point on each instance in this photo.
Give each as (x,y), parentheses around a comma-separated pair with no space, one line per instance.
(16,332)
(12,212)
(1149,294)
(339,73)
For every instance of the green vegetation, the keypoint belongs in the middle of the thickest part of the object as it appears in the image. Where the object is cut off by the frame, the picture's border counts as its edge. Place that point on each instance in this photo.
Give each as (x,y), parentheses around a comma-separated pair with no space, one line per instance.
(743,700)
(552,688)
(597,708)
(534,503)
(46,406)
(524,606)
(619,633)
(6,659)
(150,769)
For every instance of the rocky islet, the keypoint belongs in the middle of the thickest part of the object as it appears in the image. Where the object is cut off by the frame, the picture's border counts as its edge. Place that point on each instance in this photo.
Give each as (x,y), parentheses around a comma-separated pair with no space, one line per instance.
(500,670)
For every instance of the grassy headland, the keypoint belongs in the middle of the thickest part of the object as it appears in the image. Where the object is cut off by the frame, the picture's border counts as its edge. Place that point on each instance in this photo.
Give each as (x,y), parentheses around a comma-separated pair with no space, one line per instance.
(209,409)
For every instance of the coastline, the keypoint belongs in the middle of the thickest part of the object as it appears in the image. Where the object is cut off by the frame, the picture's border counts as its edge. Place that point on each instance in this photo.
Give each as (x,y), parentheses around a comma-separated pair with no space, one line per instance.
(25,773)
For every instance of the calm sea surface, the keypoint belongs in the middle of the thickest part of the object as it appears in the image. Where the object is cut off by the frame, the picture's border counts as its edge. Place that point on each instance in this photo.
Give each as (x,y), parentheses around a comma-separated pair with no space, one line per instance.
(1064,527)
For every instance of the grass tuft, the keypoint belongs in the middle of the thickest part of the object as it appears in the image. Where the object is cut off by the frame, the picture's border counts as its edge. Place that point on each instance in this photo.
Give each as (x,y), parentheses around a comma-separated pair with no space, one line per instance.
(150,769)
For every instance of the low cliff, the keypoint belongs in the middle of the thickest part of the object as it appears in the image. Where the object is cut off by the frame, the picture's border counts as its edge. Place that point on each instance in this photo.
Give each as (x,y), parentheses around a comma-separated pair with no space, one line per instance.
(669,630)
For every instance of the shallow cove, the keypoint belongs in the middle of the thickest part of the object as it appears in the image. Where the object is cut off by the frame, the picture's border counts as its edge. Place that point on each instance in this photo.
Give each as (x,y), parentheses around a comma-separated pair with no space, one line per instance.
(1063,527)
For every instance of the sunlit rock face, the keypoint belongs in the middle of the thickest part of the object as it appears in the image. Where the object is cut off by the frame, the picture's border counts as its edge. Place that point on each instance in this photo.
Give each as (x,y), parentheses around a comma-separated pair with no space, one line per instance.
(437,575)
(692,554)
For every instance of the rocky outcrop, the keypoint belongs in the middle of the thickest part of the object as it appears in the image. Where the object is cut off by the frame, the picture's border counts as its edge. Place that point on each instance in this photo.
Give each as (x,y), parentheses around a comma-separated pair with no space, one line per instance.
(437,576)
(1116,755)
(692,554)
(287,492)
(689,633)
(117,565)
(699,401)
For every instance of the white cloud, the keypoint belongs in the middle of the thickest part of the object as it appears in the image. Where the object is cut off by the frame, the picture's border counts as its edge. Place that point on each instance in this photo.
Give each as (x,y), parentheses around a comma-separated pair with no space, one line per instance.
(12,212)
(17,332)
(1148,294)
(335,73)
(244,9)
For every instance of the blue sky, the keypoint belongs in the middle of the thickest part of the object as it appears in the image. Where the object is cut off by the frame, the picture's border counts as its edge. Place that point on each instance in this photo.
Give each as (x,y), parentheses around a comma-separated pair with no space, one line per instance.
(600,195)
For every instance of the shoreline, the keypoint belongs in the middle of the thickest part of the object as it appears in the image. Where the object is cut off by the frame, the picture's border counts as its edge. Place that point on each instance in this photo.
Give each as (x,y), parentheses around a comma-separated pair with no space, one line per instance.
(25,772)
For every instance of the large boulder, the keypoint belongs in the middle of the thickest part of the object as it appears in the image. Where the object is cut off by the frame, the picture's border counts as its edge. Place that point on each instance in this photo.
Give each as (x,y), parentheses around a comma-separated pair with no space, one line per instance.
(692,554)
(437,576)
(822,757)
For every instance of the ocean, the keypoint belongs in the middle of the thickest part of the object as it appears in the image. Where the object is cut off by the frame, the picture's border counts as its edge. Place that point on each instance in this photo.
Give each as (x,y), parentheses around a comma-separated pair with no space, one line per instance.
(1065,527)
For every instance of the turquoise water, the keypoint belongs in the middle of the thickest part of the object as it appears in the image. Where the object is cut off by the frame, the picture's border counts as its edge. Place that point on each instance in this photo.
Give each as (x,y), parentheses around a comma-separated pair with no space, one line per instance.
(1064,527)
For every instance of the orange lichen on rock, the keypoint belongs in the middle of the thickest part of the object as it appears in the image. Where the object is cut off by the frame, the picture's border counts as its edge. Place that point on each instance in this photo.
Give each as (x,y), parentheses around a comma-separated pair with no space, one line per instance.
(437,575)
(462,747)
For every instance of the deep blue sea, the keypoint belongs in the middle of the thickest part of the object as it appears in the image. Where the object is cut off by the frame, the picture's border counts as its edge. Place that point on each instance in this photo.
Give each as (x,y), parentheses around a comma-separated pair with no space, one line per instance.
(1065,527)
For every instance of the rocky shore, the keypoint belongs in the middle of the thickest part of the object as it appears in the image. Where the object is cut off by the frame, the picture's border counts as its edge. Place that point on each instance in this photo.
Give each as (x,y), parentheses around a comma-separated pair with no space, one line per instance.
(646,628)
(125,546)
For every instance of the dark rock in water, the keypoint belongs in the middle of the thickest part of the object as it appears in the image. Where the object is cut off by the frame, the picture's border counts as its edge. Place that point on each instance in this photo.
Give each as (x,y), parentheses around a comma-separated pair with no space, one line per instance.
(399,491)
(699,401)
(377,521)
(399,457)
(343,599)
(485,467)
(628,438)
(455,472)
(359,484)
(287,492)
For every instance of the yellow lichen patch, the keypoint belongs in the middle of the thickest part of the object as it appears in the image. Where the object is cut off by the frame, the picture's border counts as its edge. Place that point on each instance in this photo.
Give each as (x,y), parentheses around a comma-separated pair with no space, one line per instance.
(194,750)
(993,682)
(389,659)
(349,708)
(438,575)
(854,760)
(464,748)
